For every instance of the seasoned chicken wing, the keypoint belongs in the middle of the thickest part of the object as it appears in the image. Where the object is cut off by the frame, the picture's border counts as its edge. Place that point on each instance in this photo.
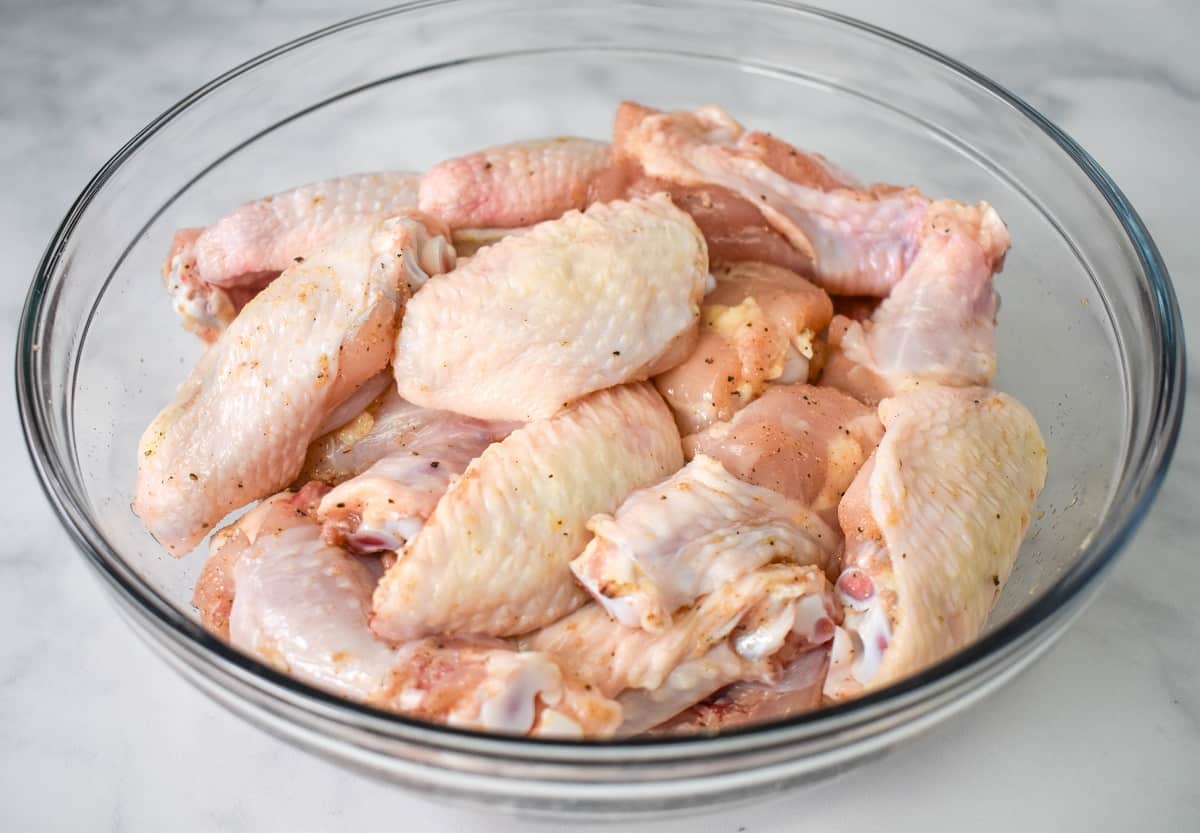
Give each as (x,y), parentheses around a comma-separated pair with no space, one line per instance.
(214,590)
(388,424)
(731,634)
(802,441)
(302,606)
(385,505)
(549,315)
(493,557)
(861,240)
(757,326)
(937,327)
(670,543)
(239,425)
(513,185)
(933,523)
(485,684)
(213,272)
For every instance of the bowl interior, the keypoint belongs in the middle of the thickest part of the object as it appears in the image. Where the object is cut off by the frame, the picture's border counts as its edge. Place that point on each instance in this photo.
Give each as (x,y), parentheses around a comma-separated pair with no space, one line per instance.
(1077,335)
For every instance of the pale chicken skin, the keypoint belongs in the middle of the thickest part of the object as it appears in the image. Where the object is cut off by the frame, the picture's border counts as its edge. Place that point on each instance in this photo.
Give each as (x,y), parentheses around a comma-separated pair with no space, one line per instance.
(214,591)
(680,539)
(302,606)
(387,425)
(933,524)
(937,327)
(731,634)
(240,424)
(386,504)
(803,441)
(758,325)
(513,185)
(542,318)
(213,272)
(493,557)
(861,240)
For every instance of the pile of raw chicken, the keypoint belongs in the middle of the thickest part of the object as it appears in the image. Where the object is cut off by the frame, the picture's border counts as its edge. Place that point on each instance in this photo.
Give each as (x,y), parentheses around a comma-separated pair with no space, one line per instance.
(576,439)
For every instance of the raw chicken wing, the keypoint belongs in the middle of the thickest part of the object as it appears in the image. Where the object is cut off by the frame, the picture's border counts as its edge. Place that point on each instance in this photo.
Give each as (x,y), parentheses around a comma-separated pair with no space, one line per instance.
(485,684)
(241,422)
(757,326)
(805,442)
(673,542)
(933,523)
(302,606)
(861,240)
(513,185)
(387,425)
(731,634)
(732,227)
(542,318)
(213,594)
(213,272)
(493,557)
(936,327)
(386,504)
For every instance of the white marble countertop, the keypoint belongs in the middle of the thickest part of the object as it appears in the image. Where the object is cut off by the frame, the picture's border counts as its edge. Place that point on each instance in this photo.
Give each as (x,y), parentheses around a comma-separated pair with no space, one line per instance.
(98,735)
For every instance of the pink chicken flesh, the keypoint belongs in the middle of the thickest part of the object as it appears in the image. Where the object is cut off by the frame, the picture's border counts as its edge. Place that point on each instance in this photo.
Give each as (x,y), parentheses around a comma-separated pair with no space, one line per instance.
(758,325)
(240,424)
(861,240)
(805,442)
(933,523)
(213,272)
(513,185)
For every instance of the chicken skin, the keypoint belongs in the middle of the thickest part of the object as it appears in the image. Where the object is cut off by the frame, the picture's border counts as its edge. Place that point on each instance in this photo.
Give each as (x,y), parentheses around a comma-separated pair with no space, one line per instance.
(731,634)
(804,442)
(933,523)
(240,424)
(302,606)
(758,325)
(386,504)
(937,327)
(493,557)
(513,185)
(544,317)
(671,543)
(861,240)
(794,690)
(213,272)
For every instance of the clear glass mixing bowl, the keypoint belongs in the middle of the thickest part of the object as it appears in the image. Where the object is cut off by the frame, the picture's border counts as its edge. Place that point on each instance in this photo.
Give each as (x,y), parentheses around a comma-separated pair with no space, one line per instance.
(1089,331)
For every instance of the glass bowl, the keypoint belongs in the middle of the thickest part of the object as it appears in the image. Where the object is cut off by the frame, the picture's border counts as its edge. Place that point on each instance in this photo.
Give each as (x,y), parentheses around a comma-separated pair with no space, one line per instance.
(1089,332)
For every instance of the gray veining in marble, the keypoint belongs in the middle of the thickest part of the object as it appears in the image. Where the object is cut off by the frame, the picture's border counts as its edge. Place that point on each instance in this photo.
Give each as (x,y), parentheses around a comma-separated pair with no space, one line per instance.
(96,734)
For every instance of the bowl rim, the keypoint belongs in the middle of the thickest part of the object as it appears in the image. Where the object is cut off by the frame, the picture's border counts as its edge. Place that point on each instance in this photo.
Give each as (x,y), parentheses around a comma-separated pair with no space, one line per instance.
(1128,504)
